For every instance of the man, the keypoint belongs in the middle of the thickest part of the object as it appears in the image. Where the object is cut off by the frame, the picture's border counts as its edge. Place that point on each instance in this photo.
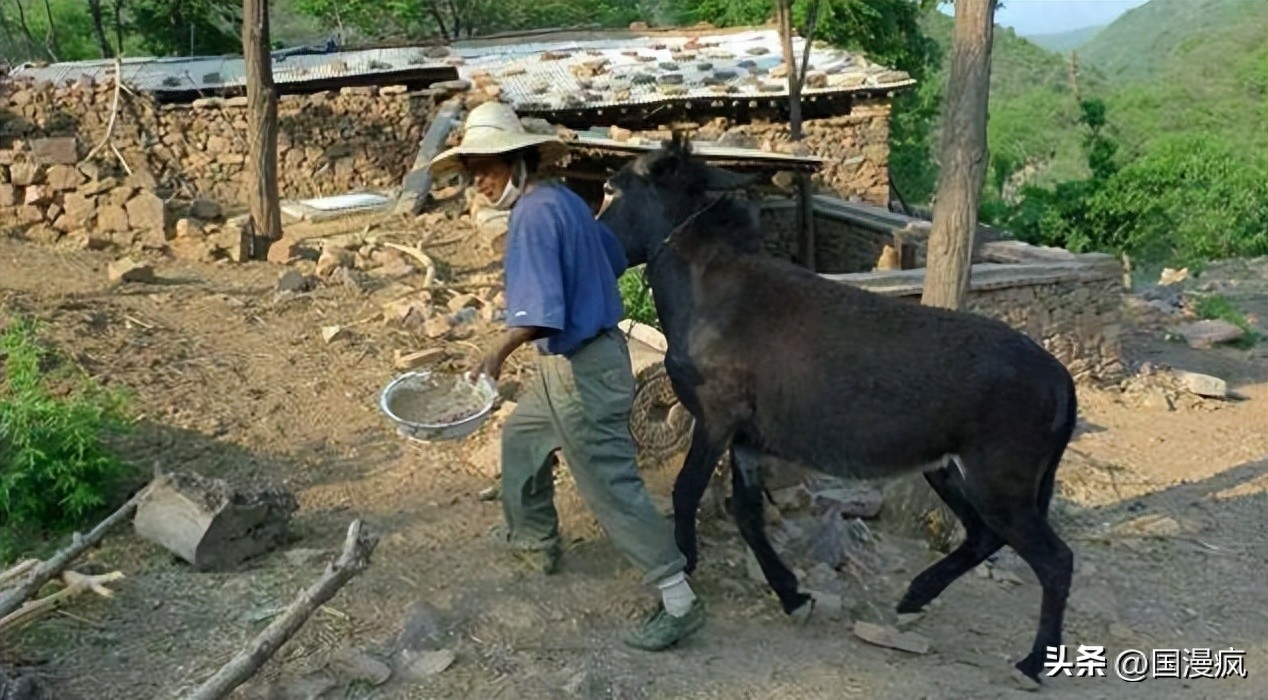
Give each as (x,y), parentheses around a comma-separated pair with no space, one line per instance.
(561,267)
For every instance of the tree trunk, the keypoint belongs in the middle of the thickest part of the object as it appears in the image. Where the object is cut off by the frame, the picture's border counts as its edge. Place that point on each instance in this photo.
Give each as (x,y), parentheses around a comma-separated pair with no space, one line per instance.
(964,156)
(911,505)
(796,78)
(266,211)
(51,40)
(99,28)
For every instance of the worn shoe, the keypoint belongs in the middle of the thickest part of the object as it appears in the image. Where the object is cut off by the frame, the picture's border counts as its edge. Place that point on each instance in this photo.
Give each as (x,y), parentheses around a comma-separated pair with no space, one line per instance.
(663,630)
(543,559)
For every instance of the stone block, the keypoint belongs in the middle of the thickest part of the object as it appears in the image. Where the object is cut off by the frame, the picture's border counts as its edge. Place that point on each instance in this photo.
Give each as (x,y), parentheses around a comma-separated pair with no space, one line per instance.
(59,150)
(147,212)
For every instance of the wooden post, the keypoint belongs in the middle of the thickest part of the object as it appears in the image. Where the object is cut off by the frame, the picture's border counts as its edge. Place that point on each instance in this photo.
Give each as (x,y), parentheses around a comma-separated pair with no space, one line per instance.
(266,210)
(796,79)
(964,156)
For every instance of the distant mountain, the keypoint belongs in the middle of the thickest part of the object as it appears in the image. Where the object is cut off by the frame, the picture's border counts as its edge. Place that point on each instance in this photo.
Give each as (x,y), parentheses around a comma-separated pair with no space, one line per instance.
(1176,37)
(1064,42)
(1033,126)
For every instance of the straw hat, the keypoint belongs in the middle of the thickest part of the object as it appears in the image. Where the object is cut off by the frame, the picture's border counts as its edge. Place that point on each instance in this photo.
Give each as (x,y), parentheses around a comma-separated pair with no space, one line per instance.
(492,128)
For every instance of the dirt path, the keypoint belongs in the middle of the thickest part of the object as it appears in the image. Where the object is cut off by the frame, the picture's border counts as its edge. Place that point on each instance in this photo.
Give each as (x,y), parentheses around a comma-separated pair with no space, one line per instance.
(230,383)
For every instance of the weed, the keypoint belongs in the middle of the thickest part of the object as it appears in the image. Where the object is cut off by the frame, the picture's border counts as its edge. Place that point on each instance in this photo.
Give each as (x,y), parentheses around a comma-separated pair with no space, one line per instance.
(1217,306)
(637,298)
(55,468)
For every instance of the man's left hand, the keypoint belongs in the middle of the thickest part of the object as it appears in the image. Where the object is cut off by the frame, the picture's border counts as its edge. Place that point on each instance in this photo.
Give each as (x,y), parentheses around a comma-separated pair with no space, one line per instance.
(490,366)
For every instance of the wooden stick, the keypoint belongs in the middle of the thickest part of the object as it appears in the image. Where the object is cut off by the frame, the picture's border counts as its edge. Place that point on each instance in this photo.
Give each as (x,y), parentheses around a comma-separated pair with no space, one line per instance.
(354,559)
(13,599)
(114,111)
(19,569)
(76,583)
(418,255)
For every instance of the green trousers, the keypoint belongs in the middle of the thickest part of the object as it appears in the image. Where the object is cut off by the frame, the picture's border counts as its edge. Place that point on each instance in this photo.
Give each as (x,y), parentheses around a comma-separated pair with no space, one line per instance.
(582,407)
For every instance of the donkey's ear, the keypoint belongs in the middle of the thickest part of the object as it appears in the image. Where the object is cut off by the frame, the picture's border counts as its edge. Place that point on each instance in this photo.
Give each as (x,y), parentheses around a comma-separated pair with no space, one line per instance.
(720,179)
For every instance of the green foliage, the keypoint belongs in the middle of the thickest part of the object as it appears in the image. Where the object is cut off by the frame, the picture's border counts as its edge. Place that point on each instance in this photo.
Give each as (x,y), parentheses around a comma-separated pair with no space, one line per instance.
(1065,42)
(54,466)
(1217,306)
(187,27)
(1188,199)
(637,297)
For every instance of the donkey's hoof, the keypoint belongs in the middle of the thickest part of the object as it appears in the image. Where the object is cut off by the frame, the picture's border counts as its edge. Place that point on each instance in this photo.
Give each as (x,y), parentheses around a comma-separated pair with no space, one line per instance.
(801,614)
(1024,681)
(909,606)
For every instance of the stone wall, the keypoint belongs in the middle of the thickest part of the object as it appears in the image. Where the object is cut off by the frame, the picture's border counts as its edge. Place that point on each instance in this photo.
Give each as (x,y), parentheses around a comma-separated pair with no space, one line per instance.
(1071,304)
(328,143)
(50,191)
(839,246)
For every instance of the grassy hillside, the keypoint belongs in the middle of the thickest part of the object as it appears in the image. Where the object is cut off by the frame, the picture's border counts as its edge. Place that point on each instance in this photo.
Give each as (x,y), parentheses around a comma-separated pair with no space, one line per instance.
(1064,42)
(1033,111)
(1162,37)
(1186,68)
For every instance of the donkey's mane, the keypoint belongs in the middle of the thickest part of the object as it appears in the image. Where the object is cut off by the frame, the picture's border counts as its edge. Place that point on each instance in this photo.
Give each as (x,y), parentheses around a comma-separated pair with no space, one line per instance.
(722,222)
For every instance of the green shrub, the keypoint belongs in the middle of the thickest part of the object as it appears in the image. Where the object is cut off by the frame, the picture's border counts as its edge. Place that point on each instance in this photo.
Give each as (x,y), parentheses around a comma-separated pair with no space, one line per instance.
(55,468)
(1217,306)
(637,298)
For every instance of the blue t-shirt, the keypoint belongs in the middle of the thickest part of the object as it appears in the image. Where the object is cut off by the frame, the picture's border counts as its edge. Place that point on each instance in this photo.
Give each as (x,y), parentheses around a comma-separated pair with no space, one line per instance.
(561,269)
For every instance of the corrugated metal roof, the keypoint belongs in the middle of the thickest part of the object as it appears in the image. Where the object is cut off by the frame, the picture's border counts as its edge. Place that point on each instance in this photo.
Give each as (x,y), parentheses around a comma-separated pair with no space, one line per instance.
(705,149)
(540,75)
(581,74)
(209,73)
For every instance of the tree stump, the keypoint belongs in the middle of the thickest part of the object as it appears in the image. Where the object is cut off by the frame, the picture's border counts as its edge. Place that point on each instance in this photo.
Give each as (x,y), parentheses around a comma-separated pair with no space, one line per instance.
(210,524)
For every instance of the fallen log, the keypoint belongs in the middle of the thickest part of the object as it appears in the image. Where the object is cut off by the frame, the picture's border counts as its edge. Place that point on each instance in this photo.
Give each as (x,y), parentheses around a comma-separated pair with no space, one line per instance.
(13,598)
(354,559)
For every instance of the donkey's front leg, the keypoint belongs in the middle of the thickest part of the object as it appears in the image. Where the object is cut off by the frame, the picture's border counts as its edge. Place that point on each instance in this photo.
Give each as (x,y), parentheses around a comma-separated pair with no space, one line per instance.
(689,487)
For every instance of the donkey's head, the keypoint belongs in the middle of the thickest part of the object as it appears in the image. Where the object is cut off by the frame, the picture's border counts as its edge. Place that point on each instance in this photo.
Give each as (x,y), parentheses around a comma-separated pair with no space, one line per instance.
(649,198)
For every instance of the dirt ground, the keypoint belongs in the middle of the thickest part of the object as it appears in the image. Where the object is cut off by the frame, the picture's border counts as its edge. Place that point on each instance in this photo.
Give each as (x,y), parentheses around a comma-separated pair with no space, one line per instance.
(1165,507)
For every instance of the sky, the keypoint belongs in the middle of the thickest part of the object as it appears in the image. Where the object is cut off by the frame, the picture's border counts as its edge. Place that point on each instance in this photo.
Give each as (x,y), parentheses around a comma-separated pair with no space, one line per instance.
(1028,17)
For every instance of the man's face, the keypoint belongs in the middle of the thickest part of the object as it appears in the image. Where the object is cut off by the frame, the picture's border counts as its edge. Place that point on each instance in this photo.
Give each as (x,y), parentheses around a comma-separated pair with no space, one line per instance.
(490,174)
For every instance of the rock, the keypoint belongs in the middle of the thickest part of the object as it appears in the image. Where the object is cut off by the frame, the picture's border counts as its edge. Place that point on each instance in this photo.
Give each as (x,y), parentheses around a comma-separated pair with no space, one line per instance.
(487,460)
(25,174)
(1172,276)
(422,630)
(211,524)
(419,666)
(829,604)
(78,208)
(204,209)
(97,187)
(617,133)
(8,195)
(889,637)
(283,251)
(296,282)
(147,212)
(64,177)
(438,326)
(414,360)
(355,665)
(235,241)
(791,498)
(1207,333)
(816,79)
(464,301)
(189,228)
(332,258)
(855,501)
(129,270)
(36,195)
(1202,384)
(332,333)
(57,150)
(193,249)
